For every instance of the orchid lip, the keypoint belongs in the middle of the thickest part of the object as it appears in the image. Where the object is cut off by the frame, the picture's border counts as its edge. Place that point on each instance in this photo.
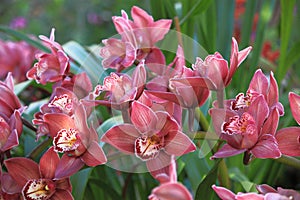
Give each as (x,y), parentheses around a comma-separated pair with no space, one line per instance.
(66,140)
(38,189)
(239,125)
(63,102)
(147,148)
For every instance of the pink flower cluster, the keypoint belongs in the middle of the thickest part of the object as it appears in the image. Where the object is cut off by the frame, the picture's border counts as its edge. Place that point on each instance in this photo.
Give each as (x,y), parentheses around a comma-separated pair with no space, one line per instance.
(152,100)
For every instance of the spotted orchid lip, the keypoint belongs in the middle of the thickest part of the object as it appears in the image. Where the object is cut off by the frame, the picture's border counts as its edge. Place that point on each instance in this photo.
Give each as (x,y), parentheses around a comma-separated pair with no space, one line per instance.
(66,140)
(147,148)
(63,102)
(38,189)
(239,125)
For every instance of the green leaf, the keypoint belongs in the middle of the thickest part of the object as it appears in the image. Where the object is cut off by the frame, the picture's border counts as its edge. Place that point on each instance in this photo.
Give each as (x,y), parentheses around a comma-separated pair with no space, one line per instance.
(293,55)
(79,182)
(287,10)
(204,190)
(21,86)
(86,61)
(199,7)
(22,36)
(236,175)
(105,187)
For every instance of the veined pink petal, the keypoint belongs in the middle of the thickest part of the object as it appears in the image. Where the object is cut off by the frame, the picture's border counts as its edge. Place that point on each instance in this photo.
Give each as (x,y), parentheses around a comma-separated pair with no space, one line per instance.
(160,164)
(141,18)
(264,189)
(62,195)
(156,61)
(168,191)
(227,151)
(289,141)
(223,193)
(271,123)
(165,124)
(275,196)
(139,75)
(12,140)
(8,184)
(247,196)
(143,118)
(219,116)
(22,169)
(48,163)
(122,137)
(195,82)
(267,147)
(259,83)
(159,29)
(58,121)
(177,143)
(295,106)
(259,110)
(164,95)
(67,166)
(80,120)
(94,155)
(63,184)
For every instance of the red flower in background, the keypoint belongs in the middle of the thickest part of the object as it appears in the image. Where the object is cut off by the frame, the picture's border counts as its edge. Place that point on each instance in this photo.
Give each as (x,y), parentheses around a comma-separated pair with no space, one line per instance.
(51,67)
(39,181)
(268,53)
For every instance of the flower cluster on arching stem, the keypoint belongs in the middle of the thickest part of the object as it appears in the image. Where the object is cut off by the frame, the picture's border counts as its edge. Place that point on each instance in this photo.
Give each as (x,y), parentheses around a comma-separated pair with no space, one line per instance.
(152,99)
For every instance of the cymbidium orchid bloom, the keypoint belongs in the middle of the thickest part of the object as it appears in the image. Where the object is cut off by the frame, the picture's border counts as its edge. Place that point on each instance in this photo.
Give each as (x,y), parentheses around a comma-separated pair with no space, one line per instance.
(9,102)
(215,68)
(121,89)
(16,57)
(39,181)
(251,131)
(9,189)
(265,193)
(169,188)
(73,137)
(153,137)
(51,67)
(138,38)
(289,138)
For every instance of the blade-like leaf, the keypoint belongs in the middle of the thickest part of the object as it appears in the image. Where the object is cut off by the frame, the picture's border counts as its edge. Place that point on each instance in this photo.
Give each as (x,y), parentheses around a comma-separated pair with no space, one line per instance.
(79,182)
(204,190)
(22,36)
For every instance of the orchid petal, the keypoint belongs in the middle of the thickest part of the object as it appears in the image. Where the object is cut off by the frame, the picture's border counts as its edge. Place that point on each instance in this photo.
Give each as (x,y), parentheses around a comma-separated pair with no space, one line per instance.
(289,141)
(22,169)
(68,166)
(259,83)
(122,137)
(143,118)
(227,151)
(177,143)
(58,121)
(62,195)
(174,191)
(160,164)
(223,193)
(267,147)
(295,106)
(271,123)
(94,155)
(247,196)
(48,163)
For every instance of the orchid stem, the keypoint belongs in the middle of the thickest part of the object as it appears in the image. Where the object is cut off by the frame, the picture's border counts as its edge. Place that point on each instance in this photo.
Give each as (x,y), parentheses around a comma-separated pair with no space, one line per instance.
(290,161)
(223,174)
(28,124)
(125,115)
(191,113)
(177,27)
(220,98)
(202,119)
(39,149)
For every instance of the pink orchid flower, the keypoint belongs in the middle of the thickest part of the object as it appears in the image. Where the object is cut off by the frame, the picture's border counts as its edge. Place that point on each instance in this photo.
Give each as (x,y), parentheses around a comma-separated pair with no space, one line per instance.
(120,90)
(9,102)
(169,187)
(226,194)
(289,138)
(73,137)
(215,68)
(39,181)
(153,137)
(138,38)
(251,131)
(9,189)
(279,194)
(16,57)
(51,67)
